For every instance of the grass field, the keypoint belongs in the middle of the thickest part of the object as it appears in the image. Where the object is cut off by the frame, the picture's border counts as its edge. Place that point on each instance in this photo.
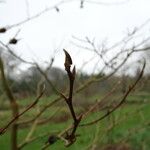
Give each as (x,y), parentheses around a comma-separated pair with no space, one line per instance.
(129,125)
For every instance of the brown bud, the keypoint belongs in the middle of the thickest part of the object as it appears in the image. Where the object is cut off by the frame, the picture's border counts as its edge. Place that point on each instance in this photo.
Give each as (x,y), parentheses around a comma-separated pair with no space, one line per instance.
(68,60)
(81,4)
(3,30)
(52,139)
(13,41)
(52,60)
(57,9)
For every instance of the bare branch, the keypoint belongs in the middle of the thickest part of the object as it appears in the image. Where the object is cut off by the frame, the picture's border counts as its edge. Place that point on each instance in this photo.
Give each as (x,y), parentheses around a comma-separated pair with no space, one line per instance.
(19,115)
(121,102)
(37,15)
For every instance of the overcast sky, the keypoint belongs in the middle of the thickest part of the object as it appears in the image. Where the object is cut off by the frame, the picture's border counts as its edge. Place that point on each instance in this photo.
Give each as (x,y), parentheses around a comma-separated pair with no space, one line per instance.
(54,30)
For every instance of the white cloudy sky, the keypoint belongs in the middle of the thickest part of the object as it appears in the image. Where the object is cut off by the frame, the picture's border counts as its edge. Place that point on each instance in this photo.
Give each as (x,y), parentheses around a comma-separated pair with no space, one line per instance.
(54,30)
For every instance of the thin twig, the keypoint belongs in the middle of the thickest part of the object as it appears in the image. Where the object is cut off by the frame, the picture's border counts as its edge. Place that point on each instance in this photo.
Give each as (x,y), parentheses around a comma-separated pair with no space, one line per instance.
(19,115)
(121,102)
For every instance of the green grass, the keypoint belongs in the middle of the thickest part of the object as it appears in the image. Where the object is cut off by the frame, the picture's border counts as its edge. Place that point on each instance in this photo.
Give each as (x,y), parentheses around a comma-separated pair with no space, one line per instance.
(139,97)
(128,124)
